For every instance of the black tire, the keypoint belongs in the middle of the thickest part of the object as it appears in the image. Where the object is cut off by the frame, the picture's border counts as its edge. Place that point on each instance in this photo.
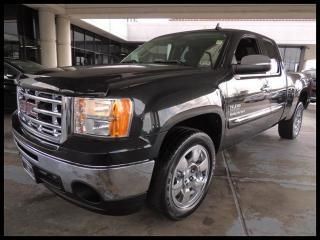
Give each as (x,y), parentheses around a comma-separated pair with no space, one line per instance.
(180,140)
(286,127)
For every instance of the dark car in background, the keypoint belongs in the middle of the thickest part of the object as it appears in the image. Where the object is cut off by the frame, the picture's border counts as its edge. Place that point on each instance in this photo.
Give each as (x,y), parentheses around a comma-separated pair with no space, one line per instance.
(311,73)
(15,69)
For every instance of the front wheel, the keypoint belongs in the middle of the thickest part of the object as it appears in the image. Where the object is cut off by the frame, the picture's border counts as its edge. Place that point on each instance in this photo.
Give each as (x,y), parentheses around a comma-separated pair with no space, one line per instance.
(290,129)
(183,174)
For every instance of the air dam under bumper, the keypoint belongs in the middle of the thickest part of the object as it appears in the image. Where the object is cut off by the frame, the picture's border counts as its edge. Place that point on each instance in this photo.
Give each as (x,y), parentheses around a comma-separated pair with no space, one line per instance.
(122,187)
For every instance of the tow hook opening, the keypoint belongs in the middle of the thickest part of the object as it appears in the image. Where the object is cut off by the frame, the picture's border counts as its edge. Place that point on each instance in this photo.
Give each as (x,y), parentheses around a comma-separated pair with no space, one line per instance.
(86,193)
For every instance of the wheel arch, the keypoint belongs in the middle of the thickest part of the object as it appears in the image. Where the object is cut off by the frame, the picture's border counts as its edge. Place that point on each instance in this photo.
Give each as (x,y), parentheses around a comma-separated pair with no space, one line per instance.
(209,119)
(297,91)
(303,97)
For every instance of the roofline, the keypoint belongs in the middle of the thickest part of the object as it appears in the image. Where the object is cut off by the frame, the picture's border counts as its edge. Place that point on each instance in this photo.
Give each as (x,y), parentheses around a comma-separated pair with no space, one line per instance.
(223,30)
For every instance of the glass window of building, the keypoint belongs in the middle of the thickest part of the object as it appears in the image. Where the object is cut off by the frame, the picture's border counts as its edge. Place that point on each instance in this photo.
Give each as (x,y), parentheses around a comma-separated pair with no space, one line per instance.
(78,39)
(89,44)
(98,44)
(11,39)
(291,57)
(105,46)
(89,48)
(21,32)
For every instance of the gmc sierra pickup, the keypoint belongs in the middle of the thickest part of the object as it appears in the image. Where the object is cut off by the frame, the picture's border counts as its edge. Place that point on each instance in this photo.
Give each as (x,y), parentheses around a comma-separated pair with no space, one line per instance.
(148,129)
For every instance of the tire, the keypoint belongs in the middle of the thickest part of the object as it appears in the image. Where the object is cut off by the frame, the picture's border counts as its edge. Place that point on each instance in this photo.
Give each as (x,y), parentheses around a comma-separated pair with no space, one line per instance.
(178,177)
(288,128)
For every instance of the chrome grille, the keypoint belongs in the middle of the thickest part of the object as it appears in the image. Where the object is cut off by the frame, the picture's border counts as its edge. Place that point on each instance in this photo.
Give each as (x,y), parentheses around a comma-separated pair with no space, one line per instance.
(42,114)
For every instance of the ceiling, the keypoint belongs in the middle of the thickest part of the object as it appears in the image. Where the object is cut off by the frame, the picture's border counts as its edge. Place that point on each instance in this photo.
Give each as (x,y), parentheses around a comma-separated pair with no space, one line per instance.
(208,11)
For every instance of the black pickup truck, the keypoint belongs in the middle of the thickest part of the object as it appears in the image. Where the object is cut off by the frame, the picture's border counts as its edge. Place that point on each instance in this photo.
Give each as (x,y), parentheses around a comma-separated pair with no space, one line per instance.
(110,138)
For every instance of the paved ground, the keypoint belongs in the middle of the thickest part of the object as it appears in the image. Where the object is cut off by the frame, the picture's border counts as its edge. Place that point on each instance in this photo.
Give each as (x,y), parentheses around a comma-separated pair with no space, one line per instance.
(264,186)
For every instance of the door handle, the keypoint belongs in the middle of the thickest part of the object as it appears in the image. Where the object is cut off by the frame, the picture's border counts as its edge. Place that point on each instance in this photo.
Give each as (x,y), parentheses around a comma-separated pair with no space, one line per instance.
(265,87)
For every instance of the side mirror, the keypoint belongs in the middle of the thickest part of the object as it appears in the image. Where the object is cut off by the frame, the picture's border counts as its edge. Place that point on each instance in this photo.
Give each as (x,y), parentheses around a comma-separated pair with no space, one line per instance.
(9,76)
(253,64)
(12,77)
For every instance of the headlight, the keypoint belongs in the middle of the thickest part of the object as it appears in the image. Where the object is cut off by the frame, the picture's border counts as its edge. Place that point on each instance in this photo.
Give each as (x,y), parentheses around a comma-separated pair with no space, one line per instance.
(102,117)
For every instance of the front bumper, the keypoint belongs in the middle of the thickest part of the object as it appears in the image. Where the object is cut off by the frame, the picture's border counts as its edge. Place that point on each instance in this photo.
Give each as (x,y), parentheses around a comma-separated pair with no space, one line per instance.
(121,184)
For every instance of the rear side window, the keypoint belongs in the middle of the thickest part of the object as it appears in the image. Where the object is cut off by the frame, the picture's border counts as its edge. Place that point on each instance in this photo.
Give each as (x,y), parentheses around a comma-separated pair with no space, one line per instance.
(272,52)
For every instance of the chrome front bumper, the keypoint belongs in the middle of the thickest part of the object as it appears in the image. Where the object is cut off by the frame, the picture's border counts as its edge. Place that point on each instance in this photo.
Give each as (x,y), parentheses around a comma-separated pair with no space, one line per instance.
(112,183)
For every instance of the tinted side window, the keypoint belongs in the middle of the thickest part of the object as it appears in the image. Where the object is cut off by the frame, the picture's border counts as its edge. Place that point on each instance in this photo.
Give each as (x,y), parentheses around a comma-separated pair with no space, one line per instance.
(272,53)
(247,46)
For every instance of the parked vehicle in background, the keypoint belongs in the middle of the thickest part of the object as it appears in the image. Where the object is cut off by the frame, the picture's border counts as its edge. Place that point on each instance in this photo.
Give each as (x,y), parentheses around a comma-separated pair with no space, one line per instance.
(15,69)
(312,75)
(108,138)
(309,68)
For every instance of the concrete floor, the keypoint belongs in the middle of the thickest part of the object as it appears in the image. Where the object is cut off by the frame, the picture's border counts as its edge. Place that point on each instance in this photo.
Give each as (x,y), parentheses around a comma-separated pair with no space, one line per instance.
(263,186)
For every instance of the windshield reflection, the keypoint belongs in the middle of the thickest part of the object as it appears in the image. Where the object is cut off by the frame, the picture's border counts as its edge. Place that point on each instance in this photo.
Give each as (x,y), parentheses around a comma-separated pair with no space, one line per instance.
(196,49)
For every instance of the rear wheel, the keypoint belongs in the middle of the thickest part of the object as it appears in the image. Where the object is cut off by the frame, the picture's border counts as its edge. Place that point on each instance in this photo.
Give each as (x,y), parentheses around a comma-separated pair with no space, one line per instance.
(183,173)
(290,129)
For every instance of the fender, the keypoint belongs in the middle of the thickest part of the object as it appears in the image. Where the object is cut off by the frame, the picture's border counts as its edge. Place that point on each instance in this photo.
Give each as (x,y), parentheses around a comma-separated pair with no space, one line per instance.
(295,87)
(185,115)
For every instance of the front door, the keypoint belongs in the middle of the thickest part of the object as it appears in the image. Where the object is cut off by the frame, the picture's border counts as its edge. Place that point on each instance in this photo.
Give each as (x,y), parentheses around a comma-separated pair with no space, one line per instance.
(246,101)
(275,82)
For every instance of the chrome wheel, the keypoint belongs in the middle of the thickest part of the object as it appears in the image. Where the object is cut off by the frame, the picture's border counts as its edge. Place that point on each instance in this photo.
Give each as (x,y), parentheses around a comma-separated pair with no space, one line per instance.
(297,121)
(190,177)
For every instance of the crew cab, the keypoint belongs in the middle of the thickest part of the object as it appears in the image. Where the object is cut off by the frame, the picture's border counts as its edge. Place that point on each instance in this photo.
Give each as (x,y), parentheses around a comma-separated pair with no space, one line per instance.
(111,138)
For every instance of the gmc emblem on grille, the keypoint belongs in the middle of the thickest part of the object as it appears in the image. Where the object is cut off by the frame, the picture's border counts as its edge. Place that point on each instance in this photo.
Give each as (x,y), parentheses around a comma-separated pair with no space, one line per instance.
(27,108)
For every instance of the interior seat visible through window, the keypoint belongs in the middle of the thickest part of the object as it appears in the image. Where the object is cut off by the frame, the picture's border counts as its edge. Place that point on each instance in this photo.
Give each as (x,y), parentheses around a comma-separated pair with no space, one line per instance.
(247,46)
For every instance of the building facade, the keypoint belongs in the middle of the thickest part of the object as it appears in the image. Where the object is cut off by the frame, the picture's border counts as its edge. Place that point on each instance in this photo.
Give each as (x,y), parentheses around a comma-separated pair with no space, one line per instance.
(62,44)
(21,33)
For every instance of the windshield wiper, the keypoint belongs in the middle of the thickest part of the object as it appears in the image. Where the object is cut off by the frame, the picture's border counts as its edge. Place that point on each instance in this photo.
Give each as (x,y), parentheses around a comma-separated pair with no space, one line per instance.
(171,62)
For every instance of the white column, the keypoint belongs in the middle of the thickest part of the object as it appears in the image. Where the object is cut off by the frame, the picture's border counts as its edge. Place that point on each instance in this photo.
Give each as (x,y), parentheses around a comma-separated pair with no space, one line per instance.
(48,46)
(63,41)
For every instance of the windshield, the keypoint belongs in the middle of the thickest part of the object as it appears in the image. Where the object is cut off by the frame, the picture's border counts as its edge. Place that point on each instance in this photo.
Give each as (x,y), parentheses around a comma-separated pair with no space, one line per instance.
(28,66)
(190,49)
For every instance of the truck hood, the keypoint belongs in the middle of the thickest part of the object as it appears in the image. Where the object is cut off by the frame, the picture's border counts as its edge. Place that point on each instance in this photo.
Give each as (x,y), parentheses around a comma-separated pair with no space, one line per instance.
(98,80)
